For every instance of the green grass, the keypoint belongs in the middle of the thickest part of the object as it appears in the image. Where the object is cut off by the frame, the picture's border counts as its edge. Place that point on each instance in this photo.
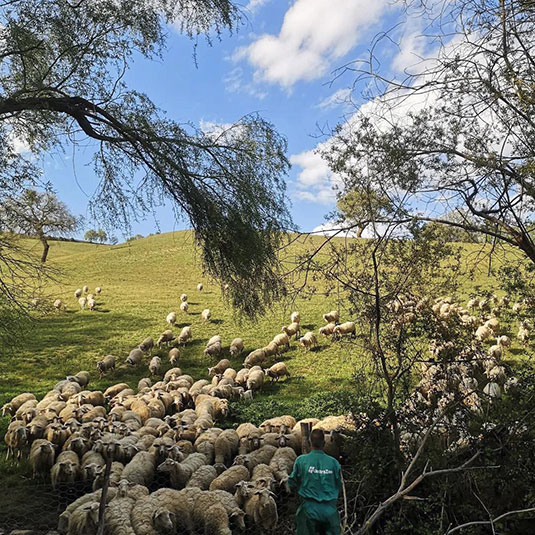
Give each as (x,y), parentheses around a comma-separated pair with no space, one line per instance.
(141,283)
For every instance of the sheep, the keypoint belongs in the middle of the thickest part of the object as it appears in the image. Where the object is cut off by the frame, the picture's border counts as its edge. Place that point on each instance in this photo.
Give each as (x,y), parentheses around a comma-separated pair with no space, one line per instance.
(165,338)
(183,298)
(95,397)
(308,341)
(11,407)
(155,365)
(262,477)
(280,424)
(171,319)
(282,463)
(66,470)
(42,454)
(523,333)
(271,349)
(106,364)
(219,368)
(347,328)
(293,329)
(184,307)
(493,323)
(256,357)
(174,356)
(84,519)
(82,302)
(230,373)
(202,477)
(263,510)
(91,303)
(492,390)
(200,287)
(226,447)
(295,317)
(214,350)
(211,406)
(181,472)
(114,390)
(172,374)
(483,333)
(98,289)
(77,293)
(114,478)
(291,440)
(206,315)
(331,317)
(85,289)
(495,352)
(255,380)
(327,330)
(16,438)
(282,340)
(147,344)
(241,377)
(205,442)
(57,304)
(503,341)
(140,470)
(135,357)
(118,516)
(185,335)
(236,347)
(228,479)
(277,371)
(81,377)
(143,383)
(92,462)
(262,455)
(27,411)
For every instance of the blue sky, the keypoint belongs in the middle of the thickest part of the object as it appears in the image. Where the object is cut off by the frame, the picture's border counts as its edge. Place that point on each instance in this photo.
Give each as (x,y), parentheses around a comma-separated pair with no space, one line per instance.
(279,64)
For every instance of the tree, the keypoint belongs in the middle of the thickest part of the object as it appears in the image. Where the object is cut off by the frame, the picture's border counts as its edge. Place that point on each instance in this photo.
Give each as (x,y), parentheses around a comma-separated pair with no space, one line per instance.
(62,82)
(102,237)
(90,235)
(457,135)
(39,214)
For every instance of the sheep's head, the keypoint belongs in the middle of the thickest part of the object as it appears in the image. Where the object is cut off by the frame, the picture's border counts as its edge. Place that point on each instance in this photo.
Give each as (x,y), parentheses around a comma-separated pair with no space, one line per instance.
(237,518)
(167,465)
(164,521)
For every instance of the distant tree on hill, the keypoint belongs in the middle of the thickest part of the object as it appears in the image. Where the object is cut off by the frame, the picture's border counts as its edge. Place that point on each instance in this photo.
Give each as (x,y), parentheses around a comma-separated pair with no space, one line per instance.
(62,82)
(38,214)
(93,236)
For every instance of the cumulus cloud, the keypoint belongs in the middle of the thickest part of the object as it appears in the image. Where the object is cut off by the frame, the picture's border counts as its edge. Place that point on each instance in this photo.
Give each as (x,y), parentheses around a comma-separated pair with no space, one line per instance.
(342,97)
(314,33)
(255,5)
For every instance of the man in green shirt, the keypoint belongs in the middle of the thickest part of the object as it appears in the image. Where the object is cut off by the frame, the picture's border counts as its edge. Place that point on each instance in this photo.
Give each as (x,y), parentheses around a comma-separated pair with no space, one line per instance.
(317,478)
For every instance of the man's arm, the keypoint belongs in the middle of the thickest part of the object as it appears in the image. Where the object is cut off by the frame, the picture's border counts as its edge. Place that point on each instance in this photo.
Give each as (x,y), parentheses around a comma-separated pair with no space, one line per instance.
(294,478)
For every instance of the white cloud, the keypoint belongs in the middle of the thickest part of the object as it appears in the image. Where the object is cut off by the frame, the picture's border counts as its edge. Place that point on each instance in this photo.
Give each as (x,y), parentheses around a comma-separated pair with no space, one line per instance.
(331,228)
(234,82)
(255,5)
(342,97)
(314,33)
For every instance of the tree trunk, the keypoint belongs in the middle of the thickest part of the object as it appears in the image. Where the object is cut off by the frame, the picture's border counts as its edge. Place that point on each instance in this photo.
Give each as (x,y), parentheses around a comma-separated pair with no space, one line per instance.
(46,246)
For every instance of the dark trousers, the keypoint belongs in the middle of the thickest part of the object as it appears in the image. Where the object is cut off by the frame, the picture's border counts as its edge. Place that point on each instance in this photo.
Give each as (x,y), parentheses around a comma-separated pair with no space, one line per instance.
(317,518)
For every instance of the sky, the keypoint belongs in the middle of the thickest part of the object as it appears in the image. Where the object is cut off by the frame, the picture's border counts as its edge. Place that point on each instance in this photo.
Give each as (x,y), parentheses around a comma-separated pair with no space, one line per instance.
(282,64)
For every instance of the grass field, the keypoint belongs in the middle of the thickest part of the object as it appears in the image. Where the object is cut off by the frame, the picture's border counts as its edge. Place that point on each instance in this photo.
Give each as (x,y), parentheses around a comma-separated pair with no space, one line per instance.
(141,283)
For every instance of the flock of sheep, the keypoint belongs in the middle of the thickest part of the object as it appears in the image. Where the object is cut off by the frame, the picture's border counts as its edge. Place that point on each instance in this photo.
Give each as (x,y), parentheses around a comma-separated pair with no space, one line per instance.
(215,479)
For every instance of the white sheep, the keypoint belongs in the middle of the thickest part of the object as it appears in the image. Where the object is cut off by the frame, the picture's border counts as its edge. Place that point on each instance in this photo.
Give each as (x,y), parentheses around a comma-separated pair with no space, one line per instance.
(135,357)
(282,340)
(98,289)
(483,333)
(213,350)
(327,330)
(262,509)
(57,304)
(185,335)
(226,447)
(200,287)
(219,368)
(165,338)
(106,364)
(331,317)
(228,479)
(277,371)
(344,329)
(84,519)
(155,365)
(85,289)
(295,317)
(82,302)
(503,341)
(181,472)
(140,470)
(174,356)
(281,464)
(206,315)
(202,477)
(308,341)
(255,358)
(78,293)
(236,347)
(293,329)
(42,455)
(184,306)
(91,303)
(171,319)
(147,344)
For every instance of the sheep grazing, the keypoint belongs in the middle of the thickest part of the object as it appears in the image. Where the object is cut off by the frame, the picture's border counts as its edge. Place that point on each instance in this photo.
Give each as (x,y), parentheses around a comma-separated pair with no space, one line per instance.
(147,345)
(85,289)
(185,335)
(135,357)
(82,302)
(171,319)
(78,293)
(155,365)
(165,338)
(331,317)
(184,306)
(277,371)
(183,298)
(226,447)
(180,473)
(503,341)
(105,365)
(344,329)
(292,330)
(255,380)
(98,289)
(523,333)
(140,470)
(174,356)
(282,340)
(206,315)
(255,358)
(91,304)
(219,368)
(16,403)
(295,317)
(495,352)
(236,347)
(308,341)
(57,304)
(200,287)
(483,333)
(213,350)
(493,324)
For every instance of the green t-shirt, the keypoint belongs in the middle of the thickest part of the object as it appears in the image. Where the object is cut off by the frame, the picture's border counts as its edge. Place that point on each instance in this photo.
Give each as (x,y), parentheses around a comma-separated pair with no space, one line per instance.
(316,475)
